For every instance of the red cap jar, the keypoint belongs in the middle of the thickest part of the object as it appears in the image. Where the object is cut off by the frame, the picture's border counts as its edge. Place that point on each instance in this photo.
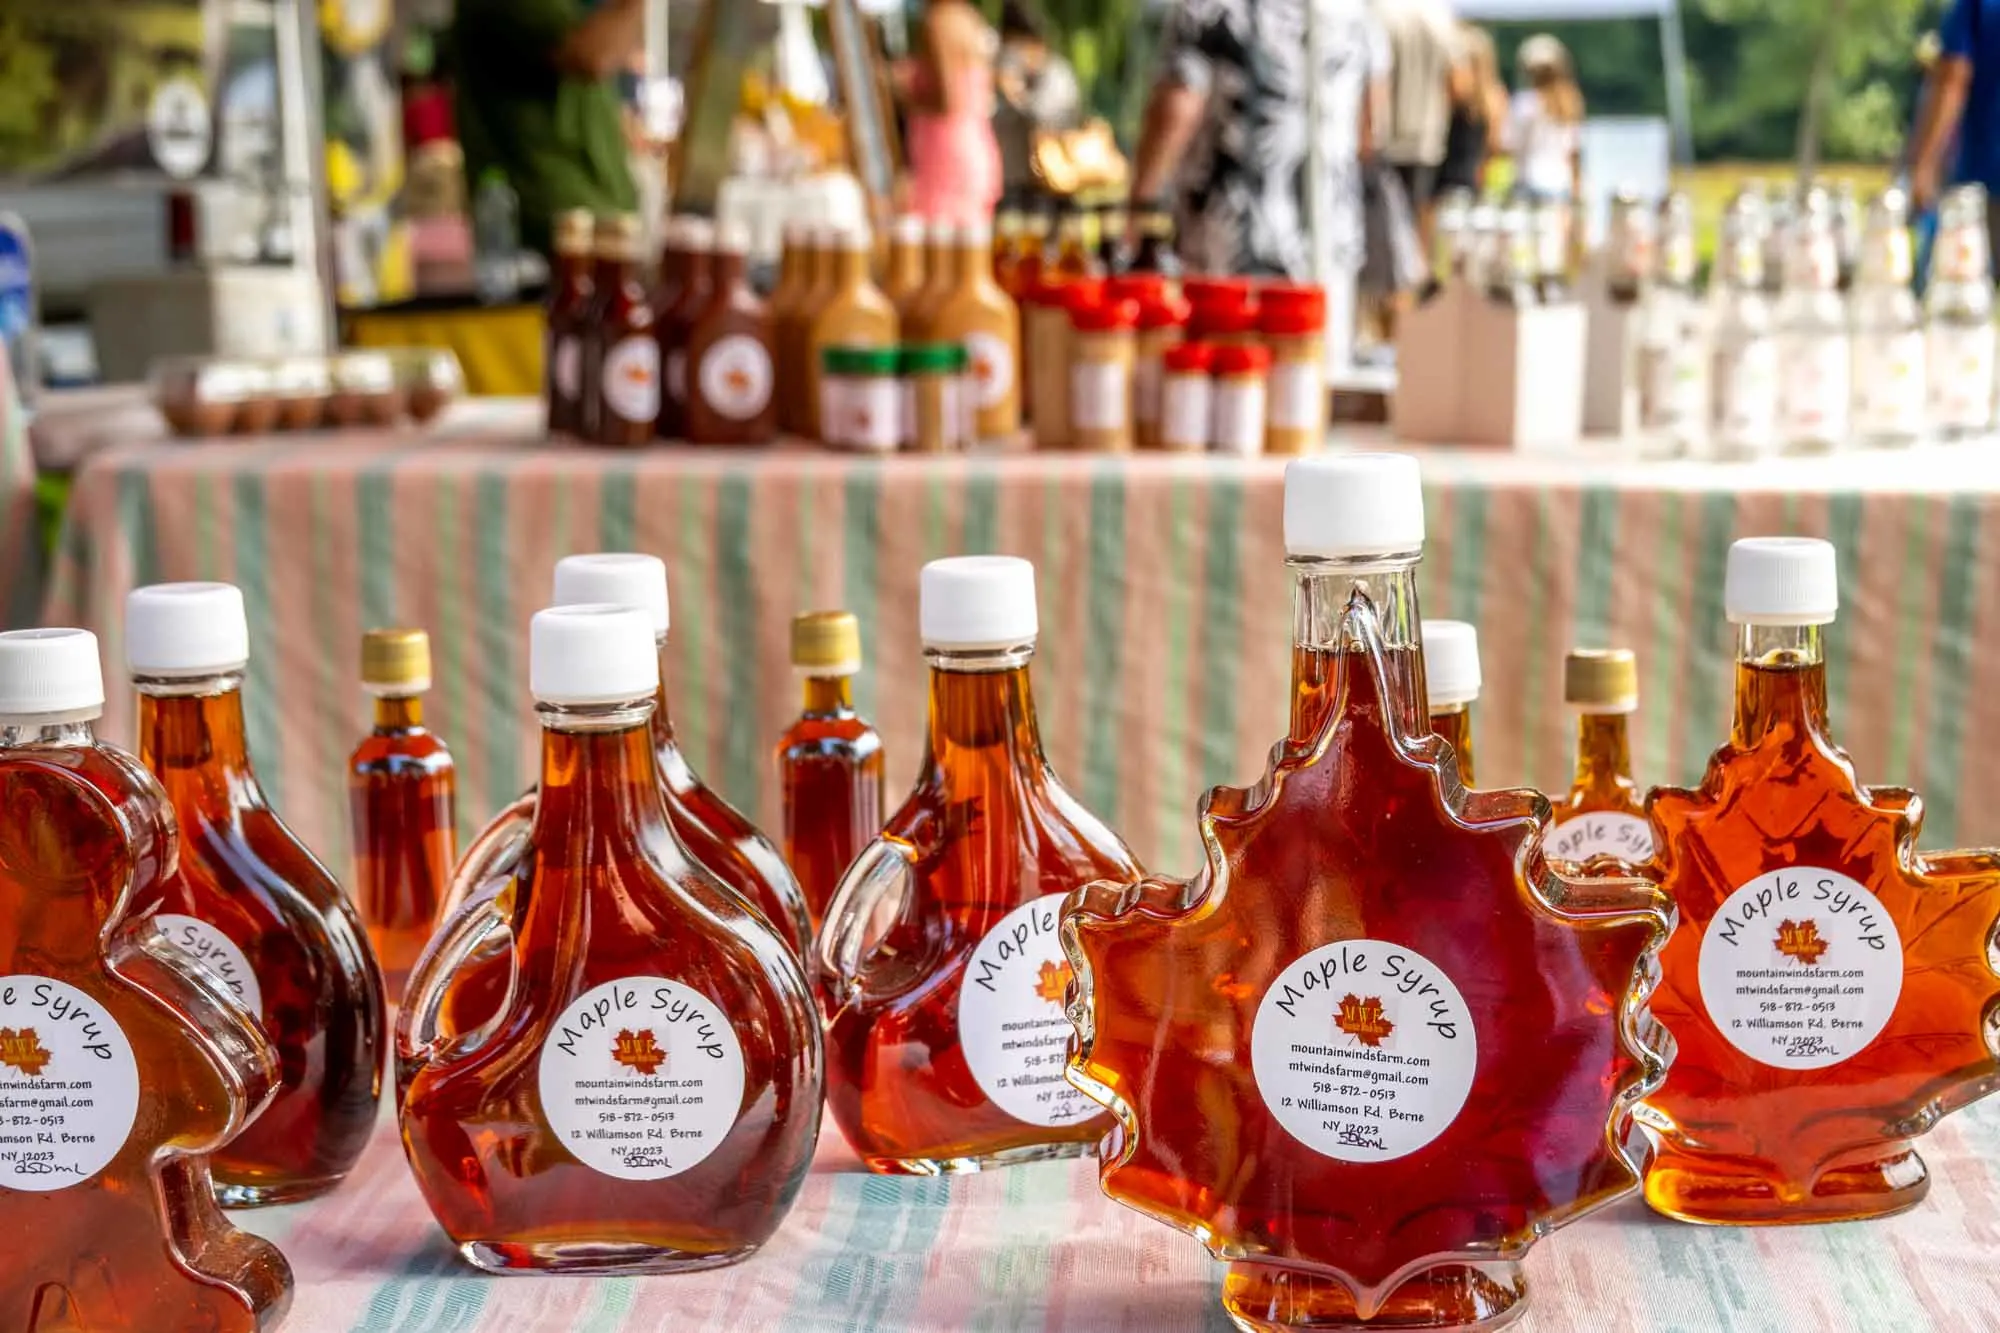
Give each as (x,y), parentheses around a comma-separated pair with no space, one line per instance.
(1186,397)
(1292,319)
(1241,375)
(1047,347)
(1101,358)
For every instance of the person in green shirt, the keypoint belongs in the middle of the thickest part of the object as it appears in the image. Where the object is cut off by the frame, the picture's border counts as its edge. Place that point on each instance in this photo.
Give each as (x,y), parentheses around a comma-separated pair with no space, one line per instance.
(538,102)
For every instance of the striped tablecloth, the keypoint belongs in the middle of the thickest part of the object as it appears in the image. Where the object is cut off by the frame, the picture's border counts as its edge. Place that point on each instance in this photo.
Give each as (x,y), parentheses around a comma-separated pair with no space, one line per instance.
(1164,653)
(1039,1247)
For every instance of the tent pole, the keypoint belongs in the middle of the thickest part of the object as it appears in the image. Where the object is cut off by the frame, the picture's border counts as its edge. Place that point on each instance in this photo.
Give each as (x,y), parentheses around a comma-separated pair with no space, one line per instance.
(1673,54)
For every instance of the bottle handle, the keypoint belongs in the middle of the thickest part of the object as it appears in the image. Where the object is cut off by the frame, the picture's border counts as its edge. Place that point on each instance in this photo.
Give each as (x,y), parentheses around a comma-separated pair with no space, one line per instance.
(873,896)
(474,931)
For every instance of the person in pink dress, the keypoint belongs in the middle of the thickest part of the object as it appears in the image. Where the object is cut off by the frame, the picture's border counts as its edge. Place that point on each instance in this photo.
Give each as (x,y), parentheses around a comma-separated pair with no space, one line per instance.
(948,88)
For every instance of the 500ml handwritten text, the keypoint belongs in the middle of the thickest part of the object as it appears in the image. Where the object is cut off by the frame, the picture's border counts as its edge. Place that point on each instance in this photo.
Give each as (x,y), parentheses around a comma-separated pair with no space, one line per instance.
(1781,894)
(622,1000)
(90,1030)
(1033,925)
(1407,977)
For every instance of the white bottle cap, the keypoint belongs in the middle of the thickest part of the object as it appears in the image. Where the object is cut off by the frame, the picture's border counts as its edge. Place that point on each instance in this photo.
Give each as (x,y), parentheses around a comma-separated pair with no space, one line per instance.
(697,234)
(1451,662)
(47,672)
(1782,581)
(909,229)
(615,579)
(972,602)
(1352,505)
(186,629)
(592,654)
(944,235)
(975,235)
(732,238)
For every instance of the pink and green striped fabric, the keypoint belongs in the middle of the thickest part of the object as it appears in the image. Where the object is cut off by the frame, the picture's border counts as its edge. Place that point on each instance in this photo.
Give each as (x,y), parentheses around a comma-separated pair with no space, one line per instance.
(1165,602)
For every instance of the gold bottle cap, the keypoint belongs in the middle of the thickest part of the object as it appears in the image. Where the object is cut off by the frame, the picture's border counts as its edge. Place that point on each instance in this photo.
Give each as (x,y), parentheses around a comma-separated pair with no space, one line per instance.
(575,229)
(827,643)
(1601,680)
(617,236)
(396,660)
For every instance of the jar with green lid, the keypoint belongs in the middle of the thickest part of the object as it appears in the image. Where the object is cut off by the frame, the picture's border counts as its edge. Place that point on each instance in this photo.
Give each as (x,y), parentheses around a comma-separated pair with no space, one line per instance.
(860,402)
(938,400)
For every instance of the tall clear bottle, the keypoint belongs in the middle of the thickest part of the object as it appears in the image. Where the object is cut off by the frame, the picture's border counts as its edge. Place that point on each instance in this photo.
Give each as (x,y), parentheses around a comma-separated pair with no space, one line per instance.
(1602,815)
(1451,666)
(1888,330)
(1831,989)
(269,921)
(1958,319)
(1743,354)
(634,981)
(1361,911)
(1815,350)
(122,1063)
(940,967)
(1673,341)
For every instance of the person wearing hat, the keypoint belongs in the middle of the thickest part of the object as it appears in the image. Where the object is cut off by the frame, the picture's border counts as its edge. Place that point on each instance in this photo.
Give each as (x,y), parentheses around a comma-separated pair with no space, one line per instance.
(1545,123)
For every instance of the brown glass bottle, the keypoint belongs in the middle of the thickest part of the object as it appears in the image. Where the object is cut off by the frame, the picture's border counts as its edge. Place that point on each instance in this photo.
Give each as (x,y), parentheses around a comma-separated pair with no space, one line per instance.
(1451,671)
(940,279)
(1362,913)
(636,982)
(628,358)
(907,275)
(1074,257)
(939,962)
(1602,816)
(976,314)
(677,322)
(829,761)
(794,277)
(816,280)
(253,904)
(732,377)
(568,314)
(1831,990)
(855,314)
(122,1066)
(669,284)
(402,795)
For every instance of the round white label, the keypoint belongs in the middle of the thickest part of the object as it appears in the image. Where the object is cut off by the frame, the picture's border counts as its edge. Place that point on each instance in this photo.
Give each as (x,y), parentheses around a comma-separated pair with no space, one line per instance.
(1602,833)
(865,414)
(218,955)
(69,1087)
(1011,1023)
(735,377)
(179,130)
(1363,1050)
(569,365)
(1801,968)
(632,379)
(992,371)
(641,1078)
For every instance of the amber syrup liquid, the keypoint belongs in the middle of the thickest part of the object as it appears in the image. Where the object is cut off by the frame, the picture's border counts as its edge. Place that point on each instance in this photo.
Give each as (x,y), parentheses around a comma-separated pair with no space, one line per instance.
(243,872)
(1362,830)
(1453,722)
(140,1246)
(1745,1141)
(402,795)
(987,829)
(604,893)
(1602,786)
(830,769)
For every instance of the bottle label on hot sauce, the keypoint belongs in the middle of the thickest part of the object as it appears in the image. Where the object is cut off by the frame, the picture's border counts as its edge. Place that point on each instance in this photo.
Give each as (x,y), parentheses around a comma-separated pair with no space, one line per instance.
(69,1086)
(641,1078)
(735,377)
(1601,833)
(1011,1023)
(1364,1050)
(217,954)
(992,359)
(1801,968)
(632,379)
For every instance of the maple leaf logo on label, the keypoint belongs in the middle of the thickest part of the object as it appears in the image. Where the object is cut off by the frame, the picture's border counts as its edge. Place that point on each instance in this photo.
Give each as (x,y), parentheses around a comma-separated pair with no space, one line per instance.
(22,1049)
(639,1050)
(1363,1019)
(1053,982)
(1800,940)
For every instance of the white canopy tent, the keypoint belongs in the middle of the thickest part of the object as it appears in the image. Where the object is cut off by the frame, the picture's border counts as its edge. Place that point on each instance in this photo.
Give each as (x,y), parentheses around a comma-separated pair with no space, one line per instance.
(1673,49)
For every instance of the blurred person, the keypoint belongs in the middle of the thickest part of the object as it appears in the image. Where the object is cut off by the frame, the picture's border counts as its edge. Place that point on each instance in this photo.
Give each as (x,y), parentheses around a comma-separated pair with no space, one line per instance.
(1038,93)
(1478,112)
(1960,120)
(538,100)
(1545,123)
(1423,54)
(948,87)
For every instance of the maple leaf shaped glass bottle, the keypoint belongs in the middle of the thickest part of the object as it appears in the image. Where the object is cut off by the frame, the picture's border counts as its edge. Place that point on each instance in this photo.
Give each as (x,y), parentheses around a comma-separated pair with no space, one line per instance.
(647,1097)
(939,961)
(1451,670)
(252,903)
(1602,815)
(121,1062)
(1375,1049)
(1832,991)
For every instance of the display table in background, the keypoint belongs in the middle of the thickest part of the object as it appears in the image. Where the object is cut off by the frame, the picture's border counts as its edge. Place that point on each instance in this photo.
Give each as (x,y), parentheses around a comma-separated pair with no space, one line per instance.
(1166,617)
(1039,1247)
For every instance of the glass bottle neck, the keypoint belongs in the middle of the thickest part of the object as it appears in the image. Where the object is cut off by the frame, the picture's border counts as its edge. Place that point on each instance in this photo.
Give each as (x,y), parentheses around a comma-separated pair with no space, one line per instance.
(49,733)
(192,723)
(662,724)
(399,712)
(975,265)
(729,272)
(1780,681)
(599,776)
(829,696)
(1603,750)
(850,270)
(981,704)
(1324,591)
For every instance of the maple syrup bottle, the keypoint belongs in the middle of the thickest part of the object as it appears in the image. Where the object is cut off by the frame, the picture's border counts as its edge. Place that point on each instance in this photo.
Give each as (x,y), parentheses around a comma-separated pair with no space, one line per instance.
(1830,988)
(647,1098)
(829,761)
(268,920)
(1451,668)
(627,378)
(1362,916)
(1603,815)
(939,961)
(731,389)
(675,325)
(121,1068)
(569,306)
(402,795)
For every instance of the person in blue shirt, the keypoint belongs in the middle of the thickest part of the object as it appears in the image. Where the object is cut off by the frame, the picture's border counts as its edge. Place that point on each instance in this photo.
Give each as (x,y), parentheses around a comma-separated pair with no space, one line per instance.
(1961,107)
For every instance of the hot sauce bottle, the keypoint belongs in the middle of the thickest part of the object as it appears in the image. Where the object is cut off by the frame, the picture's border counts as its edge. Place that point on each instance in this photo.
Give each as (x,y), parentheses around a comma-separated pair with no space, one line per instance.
(854,314)
(829,761)
(124,1059)
(939,962)
(628,360)
(569,306)
(732,377)
(906,277)
(974,312)
(794,276)
(1362,914)
(1602,815)
(914,311)
(402,795)
(268,920)
(1831,989)
(676,325)
(1451,667)
(634,980)
(816,283)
